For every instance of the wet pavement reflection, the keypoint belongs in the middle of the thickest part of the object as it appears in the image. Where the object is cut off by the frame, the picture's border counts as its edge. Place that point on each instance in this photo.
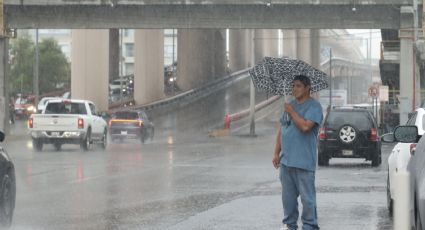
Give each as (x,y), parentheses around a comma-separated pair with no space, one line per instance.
(183,179)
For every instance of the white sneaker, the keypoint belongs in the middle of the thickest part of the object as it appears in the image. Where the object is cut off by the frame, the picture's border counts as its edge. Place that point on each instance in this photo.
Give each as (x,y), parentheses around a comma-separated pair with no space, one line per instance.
(284,227)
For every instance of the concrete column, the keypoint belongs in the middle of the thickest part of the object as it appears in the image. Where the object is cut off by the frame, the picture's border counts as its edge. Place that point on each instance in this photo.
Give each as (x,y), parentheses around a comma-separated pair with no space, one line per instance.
(304,45)
(90,66)
(308,46)
(201,57)
(315,47)
(290,39)
(149,65)
(240,42)
(4,82)
(114,54)
(266,43)
(406,63)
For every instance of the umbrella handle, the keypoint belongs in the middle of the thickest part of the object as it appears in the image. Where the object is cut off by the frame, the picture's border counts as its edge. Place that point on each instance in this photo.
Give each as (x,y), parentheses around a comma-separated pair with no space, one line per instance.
(287,118)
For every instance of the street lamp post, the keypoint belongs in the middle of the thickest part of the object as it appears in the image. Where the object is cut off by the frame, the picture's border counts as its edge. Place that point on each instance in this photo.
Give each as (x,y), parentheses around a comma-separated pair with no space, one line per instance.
(330,78)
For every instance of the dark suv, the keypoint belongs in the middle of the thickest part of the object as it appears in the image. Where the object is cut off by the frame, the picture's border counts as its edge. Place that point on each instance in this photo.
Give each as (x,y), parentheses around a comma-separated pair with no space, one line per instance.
(349,133)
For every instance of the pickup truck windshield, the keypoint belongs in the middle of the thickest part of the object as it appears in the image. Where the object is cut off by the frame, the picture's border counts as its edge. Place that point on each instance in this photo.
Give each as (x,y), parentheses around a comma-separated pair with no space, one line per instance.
(65,108)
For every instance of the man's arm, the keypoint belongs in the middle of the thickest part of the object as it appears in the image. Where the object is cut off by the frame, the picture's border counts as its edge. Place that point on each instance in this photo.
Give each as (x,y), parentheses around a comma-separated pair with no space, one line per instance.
(303,124)
(277,148)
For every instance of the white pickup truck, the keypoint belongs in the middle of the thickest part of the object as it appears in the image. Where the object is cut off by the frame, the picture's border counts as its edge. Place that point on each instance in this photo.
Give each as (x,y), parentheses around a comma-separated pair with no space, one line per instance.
(68,121)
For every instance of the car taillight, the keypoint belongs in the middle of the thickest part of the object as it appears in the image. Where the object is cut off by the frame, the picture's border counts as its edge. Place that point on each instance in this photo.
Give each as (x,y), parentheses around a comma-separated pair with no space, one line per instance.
(30,122)
(412,149)
(80,123)
(322,133)
(373,134)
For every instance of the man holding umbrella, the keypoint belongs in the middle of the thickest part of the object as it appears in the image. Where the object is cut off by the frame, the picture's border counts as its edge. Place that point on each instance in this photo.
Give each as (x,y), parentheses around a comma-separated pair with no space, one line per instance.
(295,154)
(296,142)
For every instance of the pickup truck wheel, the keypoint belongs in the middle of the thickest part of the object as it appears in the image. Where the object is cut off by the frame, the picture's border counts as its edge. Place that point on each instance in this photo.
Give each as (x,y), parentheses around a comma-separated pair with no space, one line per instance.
(152,133)
(37,145)
(104,142)
(86,142)
(143,136)
(58,146)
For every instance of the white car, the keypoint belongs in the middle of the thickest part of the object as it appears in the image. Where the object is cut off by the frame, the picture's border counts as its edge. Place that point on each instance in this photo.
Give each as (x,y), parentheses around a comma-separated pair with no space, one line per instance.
(400,155)
(68,121)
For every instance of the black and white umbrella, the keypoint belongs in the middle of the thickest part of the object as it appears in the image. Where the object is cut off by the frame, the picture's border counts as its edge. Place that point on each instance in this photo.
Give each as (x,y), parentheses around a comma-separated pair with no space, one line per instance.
(275,75)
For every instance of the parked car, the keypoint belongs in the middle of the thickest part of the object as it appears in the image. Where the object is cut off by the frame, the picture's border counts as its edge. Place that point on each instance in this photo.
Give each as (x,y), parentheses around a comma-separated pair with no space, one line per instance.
(401,153)
(24,106)
(349,132)
(415,167)
(130,124)
(7,187)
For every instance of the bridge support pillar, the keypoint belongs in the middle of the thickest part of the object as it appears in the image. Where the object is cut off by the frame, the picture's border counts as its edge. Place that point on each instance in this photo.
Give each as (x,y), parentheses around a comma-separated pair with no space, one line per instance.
(90,66)
(290,43)
(149,65)
(114,54)
(240,42)
(201,57)
(266,43)
(308,46)
(407,64)
(4,89)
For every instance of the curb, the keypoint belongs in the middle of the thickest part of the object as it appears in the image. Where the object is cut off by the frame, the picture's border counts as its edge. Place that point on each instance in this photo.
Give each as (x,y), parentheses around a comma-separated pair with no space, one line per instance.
(219,133)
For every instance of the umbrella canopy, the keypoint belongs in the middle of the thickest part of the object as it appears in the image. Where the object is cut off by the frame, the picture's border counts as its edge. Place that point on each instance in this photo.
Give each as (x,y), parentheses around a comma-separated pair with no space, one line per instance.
(275,75)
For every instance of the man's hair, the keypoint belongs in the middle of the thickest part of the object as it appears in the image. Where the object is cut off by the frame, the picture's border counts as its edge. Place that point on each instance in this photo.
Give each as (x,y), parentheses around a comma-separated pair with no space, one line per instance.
(303,79)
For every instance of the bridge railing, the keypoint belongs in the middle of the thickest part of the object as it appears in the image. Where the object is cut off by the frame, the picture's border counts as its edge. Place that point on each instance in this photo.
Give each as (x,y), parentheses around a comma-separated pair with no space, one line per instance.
(186,96)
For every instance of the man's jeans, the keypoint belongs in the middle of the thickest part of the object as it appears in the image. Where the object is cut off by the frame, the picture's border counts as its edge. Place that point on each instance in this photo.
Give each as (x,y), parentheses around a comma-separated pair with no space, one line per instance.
(298,182)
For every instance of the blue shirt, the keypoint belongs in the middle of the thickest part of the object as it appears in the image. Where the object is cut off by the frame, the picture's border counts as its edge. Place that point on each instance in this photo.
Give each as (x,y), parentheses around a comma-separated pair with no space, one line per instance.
(299,149)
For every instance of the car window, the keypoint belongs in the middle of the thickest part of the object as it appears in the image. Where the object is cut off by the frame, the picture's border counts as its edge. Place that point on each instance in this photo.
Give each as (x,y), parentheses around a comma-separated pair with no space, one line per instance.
(126,115)
(412,119)
(92,109)
(360,119)
(65,108)
(143,115)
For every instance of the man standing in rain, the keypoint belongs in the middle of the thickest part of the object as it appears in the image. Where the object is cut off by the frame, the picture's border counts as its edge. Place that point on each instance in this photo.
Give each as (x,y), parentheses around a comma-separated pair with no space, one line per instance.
(295,154)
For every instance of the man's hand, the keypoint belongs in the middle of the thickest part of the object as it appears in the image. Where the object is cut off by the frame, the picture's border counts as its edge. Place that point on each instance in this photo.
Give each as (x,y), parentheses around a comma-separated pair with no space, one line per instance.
(276,161)
(288,108)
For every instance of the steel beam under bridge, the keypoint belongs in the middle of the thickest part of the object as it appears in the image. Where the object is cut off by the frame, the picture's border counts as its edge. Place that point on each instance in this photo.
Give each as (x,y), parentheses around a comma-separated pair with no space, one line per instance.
(163,14)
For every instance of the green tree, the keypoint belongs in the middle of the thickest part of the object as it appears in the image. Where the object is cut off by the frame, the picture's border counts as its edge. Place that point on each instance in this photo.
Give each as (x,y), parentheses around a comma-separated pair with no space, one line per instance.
(22,65)
(54,69)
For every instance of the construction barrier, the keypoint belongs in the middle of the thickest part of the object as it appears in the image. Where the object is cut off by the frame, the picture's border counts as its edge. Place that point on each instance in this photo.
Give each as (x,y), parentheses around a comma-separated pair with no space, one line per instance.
(228,118)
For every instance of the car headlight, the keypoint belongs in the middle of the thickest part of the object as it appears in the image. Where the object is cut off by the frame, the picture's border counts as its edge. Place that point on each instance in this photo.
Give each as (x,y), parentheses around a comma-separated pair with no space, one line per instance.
(31,108)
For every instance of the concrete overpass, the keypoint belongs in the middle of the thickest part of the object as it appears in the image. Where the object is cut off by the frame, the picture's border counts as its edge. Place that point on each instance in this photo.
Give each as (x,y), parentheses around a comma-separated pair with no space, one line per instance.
(189,14)
(219,14)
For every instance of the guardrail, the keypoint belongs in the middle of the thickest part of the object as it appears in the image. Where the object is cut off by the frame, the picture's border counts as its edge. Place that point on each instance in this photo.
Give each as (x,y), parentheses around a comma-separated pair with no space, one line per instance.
(228,118)
(193,93)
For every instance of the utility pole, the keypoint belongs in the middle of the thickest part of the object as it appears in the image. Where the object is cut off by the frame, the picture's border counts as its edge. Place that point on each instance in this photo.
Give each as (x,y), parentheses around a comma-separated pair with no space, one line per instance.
(252,90)
(36,69)
(122,61)
(4,57)
(330,78)
(172,67)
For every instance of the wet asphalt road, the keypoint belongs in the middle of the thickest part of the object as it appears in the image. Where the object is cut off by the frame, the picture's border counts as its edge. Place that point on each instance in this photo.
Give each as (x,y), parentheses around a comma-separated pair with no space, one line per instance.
(184,179)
